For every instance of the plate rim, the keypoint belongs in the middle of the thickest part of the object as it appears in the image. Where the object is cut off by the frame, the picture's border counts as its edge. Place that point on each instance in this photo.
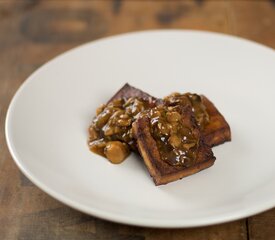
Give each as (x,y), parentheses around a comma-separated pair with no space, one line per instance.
(116,217)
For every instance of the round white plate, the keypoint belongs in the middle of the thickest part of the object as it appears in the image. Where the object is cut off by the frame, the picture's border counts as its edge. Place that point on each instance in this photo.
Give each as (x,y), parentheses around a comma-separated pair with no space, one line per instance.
(47,121)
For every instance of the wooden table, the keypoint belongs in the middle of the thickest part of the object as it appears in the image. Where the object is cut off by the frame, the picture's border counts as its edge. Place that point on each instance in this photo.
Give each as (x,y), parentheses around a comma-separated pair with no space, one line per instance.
(34,31)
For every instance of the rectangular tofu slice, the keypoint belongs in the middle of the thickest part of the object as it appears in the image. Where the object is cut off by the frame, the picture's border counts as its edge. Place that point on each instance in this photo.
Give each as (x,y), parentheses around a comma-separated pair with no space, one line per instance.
(163,171)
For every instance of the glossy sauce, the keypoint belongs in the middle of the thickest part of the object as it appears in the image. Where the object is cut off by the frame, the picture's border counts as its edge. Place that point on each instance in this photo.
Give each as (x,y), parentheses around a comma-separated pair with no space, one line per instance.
(114,123)
(176,142)
(195,101)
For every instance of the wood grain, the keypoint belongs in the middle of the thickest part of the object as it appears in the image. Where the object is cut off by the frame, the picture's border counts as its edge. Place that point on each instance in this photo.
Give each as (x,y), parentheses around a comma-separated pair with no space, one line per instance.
(34,31)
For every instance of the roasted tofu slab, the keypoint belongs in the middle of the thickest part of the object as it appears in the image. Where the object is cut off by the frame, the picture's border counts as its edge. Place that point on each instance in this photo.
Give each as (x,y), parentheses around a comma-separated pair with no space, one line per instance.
(171,144)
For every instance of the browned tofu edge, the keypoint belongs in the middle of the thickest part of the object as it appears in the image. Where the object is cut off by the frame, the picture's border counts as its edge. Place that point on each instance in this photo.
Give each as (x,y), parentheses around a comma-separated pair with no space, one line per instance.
(128,91)
(218,130)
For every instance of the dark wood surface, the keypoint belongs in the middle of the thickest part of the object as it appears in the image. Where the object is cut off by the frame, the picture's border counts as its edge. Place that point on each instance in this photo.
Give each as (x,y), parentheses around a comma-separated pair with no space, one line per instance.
(34,31)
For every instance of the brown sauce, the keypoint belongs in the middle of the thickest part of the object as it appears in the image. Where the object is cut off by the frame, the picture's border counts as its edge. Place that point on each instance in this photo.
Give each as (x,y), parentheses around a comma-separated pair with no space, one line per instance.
(175,141)
(193,100)
(113,124)
(111,133)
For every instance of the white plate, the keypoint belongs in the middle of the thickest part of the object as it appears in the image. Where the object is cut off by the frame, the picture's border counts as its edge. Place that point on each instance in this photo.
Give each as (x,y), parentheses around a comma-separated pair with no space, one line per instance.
(47,122)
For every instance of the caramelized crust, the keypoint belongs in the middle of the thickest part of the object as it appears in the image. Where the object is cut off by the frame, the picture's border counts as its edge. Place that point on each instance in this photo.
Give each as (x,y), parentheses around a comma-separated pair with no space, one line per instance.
(217,131)
(127,91)
(161,171)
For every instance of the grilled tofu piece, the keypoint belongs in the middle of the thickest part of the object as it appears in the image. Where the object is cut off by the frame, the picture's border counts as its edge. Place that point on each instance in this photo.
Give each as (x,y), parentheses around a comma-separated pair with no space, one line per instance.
(171,144)
(217,131)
